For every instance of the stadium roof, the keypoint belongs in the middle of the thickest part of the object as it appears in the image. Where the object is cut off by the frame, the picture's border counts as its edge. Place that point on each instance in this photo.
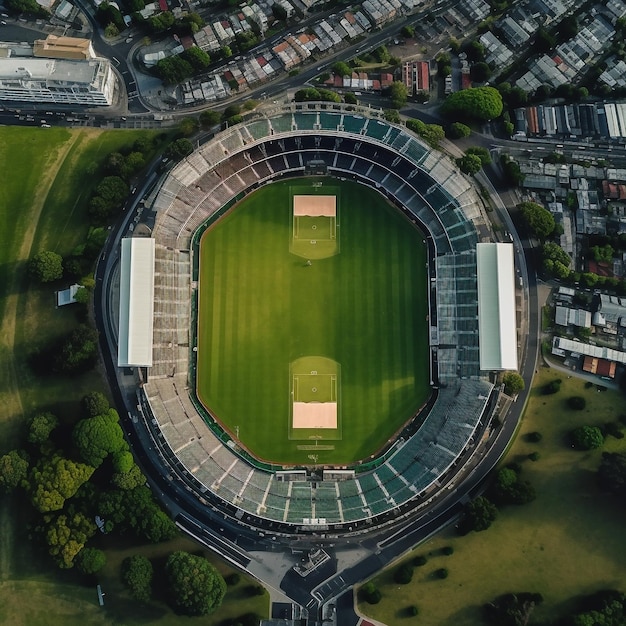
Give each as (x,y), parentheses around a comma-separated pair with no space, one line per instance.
(497,328)
(136,303)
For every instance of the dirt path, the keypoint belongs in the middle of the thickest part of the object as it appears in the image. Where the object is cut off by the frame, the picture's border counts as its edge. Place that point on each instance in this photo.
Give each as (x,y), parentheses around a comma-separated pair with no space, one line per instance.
(10,400)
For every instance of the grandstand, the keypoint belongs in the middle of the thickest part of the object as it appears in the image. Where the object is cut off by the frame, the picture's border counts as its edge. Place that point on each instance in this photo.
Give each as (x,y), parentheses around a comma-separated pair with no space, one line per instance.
(425,185)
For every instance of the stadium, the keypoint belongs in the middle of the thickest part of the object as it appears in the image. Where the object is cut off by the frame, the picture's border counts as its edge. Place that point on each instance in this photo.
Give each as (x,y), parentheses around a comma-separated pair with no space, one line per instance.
(159,303)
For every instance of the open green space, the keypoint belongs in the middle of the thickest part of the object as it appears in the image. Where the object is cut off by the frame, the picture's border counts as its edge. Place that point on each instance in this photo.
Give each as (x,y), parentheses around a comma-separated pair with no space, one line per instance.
(261,308)
(45,183)
(568,542)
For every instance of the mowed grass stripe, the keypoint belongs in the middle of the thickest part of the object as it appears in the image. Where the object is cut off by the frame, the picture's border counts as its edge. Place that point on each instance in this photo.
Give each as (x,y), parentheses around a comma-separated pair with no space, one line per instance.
(282,310)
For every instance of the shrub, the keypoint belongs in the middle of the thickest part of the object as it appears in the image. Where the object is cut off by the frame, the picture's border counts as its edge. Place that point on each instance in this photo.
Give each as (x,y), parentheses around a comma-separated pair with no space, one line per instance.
(534,456)
(534,437)
(420,560)
(404,574)
(576,403)
(587,437)
(413,610)
(442,573)
(447,550)
(552,387)
(233,579)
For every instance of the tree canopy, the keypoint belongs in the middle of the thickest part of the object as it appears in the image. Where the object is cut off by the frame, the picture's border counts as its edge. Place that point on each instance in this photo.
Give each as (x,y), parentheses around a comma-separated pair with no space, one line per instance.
(46,266)
(478,515)
(54,480)
(340,68)
(398,93)
(137,573)
(480,103)
(539,220)
(97,437)
(469,164)
(41,426)
(511,609)
(78,352)
(197,588)
(587,437)
(90,560)
(13,469)
(94,403)
(458,130)
(513,383)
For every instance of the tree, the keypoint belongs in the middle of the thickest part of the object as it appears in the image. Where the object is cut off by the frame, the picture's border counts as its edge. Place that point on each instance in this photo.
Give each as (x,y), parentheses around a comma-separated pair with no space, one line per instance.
(156,526)
(107,14)
(577,403)
(407,31)
(54,480)
(552,387)
(612,473)
(398,93)
(197,588)
(174,70)
(66,536)
(129,479)
(603,254)
(511,609)
(197,58)
(90,560)
(469,164)
(513,383)
(350,98)
(478,515)
(179,149)
(481,153)
(209,118)
(137,573)
(475,51)
(41,426)
(554,252)
(279,12)
(539,220)
(507,488)
(587,437)
(404,574)
(603,608)
(94,403)
(97,437)
(381,54)
(544,41)
(457,130)
(342,69)
(371,594)
(480,72)
(188,126)
(46,266)
(13,470)
(78,352)
(479,103)
(392,115)
(161,22)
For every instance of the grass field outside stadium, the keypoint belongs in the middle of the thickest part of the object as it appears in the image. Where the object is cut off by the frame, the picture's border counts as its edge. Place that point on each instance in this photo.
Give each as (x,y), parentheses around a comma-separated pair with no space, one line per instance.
(355,319)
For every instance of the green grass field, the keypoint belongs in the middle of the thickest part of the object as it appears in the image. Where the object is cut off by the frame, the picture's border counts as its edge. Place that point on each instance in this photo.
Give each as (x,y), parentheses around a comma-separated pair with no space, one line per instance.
(261,308)
(568,542)
(44,187)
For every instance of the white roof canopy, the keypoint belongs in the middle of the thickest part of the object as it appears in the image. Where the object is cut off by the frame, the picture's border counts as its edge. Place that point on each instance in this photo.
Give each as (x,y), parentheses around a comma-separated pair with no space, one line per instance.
(497,325)
(136,303)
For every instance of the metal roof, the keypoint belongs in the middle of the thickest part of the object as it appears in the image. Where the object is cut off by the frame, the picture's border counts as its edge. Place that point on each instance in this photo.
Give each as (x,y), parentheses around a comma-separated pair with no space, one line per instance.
(497,324)
(136,303)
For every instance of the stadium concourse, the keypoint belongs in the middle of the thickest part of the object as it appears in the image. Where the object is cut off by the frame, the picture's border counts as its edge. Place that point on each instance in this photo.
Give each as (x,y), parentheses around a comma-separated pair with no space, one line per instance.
(359,145)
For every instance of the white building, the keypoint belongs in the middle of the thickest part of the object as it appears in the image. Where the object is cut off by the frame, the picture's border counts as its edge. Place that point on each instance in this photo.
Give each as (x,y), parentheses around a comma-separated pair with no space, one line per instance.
(57,81)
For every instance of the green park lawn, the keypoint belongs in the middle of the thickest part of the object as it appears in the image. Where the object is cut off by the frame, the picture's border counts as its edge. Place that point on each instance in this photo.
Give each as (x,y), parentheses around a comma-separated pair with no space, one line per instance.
(568,542)
(262,308)
(44,189)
